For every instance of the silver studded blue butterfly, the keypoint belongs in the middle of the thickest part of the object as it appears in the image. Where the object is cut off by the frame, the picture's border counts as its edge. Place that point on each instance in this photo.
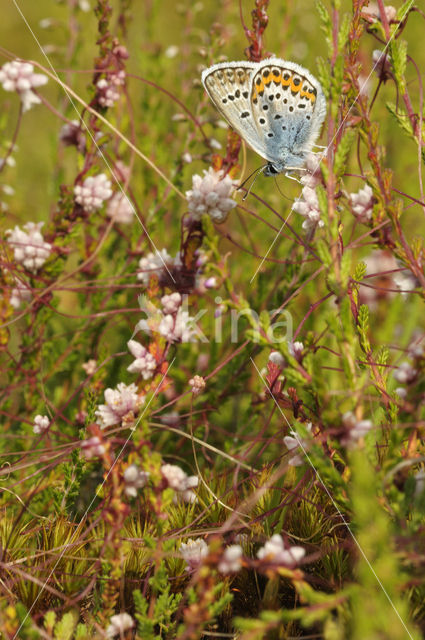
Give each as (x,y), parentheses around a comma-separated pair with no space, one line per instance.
(276,106)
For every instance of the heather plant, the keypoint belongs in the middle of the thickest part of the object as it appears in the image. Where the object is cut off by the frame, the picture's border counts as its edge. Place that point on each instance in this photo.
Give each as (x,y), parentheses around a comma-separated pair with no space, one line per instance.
(212,391)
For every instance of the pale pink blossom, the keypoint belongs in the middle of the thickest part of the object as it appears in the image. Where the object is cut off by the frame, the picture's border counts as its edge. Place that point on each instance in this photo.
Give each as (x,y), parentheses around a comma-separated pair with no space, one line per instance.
(211,194)
(20,77)
(93,192)
(178,480)
(171,303)
(120,209)
(231,561)
(144,362)
(154,264)
(362,204)
(120,623)
(198,384)
(29,247)
(356,429)
(277,358)
(193,552)
(134,479)
(295,349)
(312,177)
(92,448)
(120,402)
(178,328)
(405,373)
(108,89)
(308,207)
(90,367)
(275,552)
(41,424)
(71,134)
(20,293)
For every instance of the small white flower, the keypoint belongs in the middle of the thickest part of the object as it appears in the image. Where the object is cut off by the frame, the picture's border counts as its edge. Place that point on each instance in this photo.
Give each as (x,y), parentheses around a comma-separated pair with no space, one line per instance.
(313,174)
(362,204)
(193,551)
(144,362)
(92,448)
(231,562)
(405,373)
(29,248)
(294,442)
(215,144)
(171,419)
(178,480)
(390,12)
(405,281)
(210,283)
(381,62)
(119,403)
(154,264)
(198,385)
(401,392)
(22,292)
(90,367)
(187,158)
(211,194)
(93,192)
(295,349)
(41,424)
(20,77)
(134,479)
(119,624)
(277,358)
(120,209)
(274,551)
(308,206)
(171,303)
(71,134)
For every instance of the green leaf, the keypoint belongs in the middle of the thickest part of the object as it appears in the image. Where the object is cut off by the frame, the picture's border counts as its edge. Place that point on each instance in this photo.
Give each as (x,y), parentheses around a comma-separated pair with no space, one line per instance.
(398,52)
(343,149)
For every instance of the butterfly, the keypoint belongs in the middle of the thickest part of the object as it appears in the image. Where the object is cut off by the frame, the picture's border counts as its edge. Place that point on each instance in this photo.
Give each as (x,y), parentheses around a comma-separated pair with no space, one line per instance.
(276,106)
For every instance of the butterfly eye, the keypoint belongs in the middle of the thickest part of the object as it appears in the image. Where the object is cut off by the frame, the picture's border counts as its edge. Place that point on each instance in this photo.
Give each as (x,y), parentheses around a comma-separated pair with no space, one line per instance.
(272,169)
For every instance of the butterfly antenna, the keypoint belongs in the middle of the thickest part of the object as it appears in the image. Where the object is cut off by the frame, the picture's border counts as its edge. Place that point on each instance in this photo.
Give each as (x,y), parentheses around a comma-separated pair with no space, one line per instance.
(256,172)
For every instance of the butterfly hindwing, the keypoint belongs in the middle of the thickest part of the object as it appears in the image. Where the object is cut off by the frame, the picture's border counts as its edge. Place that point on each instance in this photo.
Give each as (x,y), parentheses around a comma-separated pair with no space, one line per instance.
(229,86)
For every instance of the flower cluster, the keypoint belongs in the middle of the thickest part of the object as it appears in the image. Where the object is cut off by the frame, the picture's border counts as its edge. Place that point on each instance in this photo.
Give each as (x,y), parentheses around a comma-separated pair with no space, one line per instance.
(29,248)
(388,275)
(41,424)
(211,194)
(177,326)
(193,551)
(120,209)
(308,206)
(144,362)
(72,134)
(20,77)
(108,88)
(134,479)
(122,402)
(93,192)
(405,373)
(275,552)
(198,385)
(156,264)
(362,204)
(296,349)
(294,442)
(178,480)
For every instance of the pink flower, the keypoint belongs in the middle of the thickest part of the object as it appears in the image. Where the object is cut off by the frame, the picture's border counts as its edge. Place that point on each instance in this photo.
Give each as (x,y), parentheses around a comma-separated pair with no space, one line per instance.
(178,480)
(22,292)
(119,624)
(171,303)
(144,362)
(119,403)
(92,448)
(231,562)
(108,88)
(362,204)
(308,206)
(293,443)
(20,77)
(134,479)
(198,385)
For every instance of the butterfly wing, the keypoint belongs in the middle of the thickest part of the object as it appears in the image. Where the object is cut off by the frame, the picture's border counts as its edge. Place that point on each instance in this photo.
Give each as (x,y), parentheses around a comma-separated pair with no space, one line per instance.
(288,107)
(228,84)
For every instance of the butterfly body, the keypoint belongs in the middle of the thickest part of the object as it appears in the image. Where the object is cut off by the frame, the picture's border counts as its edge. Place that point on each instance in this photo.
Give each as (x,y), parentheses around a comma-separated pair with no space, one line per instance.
(275,105)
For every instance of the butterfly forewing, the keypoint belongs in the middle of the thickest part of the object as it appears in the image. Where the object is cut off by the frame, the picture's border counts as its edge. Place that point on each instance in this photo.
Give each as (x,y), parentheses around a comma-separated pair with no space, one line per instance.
(282,104)
(229,87)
